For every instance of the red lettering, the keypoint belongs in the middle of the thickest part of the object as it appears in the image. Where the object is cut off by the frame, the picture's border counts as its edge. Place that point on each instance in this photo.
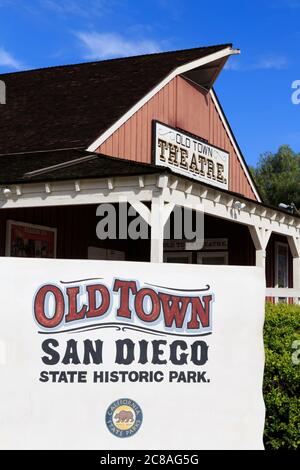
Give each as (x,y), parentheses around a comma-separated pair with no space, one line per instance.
(125,287)
(174,311)
(177,311)
(73,314)
(93,310)
(200,311)
(139,305)
(39,306)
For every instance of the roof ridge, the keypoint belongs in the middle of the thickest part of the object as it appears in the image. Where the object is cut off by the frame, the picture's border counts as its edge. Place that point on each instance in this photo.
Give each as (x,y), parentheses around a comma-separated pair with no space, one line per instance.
(33,152)
(115,59)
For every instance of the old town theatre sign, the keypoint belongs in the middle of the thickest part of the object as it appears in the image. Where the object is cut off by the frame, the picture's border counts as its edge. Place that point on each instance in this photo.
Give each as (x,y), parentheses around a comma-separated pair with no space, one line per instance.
(189,156)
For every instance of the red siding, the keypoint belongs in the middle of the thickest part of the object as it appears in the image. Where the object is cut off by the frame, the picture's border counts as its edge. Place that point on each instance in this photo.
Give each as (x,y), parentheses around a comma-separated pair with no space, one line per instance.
(179,104)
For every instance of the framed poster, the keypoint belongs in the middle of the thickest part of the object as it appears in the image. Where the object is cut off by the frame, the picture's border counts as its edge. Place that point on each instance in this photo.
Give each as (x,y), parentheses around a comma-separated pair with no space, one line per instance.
(30,241)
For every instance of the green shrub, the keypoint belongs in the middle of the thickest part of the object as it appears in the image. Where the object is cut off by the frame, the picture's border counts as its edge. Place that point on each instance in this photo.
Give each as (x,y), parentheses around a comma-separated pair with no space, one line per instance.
(282,377)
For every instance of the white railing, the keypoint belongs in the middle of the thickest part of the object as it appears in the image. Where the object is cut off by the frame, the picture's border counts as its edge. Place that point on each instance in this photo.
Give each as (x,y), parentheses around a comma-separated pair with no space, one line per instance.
(283,293)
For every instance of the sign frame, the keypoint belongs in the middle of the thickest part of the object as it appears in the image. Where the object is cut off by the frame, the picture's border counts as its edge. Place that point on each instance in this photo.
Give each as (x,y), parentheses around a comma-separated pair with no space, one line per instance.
(186,173)
(221,244)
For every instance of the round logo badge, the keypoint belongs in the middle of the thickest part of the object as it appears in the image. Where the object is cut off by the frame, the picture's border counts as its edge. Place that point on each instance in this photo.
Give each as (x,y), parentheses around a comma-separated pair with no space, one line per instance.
(124,417)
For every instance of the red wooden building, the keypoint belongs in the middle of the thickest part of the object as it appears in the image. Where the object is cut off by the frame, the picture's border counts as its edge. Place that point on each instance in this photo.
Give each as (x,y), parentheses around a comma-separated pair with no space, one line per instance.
(146,133)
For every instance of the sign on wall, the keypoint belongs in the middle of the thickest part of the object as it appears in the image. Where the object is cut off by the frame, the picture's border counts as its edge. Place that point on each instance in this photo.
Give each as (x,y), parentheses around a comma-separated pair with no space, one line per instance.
(209,244)
(30,240)
(190,156)
(110,355)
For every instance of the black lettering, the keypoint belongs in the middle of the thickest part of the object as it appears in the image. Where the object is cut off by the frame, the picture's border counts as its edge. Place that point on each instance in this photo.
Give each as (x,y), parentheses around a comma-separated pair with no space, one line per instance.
(71,355)
(44,376)
(182,359)
(157,352)
(202,347)
(92,353)
(124,351)
(54,355)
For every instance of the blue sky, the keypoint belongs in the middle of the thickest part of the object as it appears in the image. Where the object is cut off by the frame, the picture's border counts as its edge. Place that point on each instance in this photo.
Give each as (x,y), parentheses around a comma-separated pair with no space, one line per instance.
(255,89)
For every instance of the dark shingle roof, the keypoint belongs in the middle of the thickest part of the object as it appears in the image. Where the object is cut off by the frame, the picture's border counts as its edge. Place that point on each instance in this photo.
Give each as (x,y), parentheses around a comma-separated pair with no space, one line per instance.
(70,106)
(55,166)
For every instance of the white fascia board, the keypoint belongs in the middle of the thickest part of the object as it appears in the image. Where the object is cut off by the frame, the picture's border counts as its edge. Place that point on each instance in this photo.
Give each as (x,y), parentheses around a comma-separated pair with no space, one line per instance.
(227,51)
(282,292)
(231,137)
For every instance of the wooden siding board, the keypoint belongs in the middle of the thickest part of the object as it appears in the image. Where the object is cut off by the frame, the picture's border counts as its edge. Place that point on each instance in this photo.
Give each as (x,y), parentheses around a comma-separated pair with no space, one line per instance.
(115,143)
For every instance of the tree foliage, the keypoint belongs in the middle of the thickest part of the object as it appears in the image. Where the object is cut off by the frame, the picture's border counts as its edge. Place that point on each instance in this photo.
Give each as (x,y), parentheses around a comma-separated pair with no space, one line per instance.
(277,176)
(282,376)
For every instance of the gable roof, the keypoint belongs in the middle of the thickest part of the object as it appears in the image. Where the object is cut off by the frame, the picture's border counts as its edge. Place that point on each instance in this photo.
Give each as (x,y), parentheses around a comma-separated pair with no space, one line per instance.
(56,114)
(70,106)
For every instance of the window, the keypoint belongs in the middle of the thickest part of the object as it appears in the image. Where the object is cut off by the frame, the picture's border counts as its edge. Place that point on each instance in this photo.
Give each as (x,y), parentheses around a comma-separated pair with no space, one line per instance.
(185,257)
(281,267)
(216,257)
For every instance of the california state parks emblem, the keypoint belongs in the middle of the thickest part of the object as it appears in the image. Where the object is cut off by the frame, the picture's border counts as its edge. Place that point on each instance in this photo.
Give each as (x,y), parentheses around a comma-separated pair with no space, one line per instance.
(124,417)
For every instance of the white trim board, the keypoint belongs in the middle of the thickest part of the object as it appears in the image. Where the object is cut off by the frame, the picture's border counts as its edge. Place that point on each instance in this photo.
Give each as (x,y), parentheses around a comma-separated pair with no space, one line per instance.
(281,292)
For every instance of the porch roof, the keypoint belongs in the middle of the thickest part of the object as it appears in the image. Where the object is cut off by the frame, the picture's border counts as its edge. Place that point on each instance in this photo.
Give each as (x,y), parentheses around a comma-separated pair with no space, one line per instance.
(66,164)
(74,164)
(146,183)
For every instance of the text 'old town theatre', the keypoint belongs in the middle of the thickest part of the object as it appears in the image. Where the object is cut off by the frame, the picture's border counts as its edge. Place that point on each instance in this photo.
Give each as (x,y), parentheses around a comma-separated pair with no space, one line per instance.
(145,136)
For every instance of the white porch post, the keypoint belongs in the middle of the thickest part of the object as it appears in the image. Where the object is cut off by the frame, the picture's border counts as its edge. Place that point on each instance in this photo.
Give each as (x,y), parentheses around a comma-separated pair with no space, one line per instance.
(294,244)
(156,218)
(160,212)
(260,254)
(296,272)
(157,231)
(260,258)
(260,239)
